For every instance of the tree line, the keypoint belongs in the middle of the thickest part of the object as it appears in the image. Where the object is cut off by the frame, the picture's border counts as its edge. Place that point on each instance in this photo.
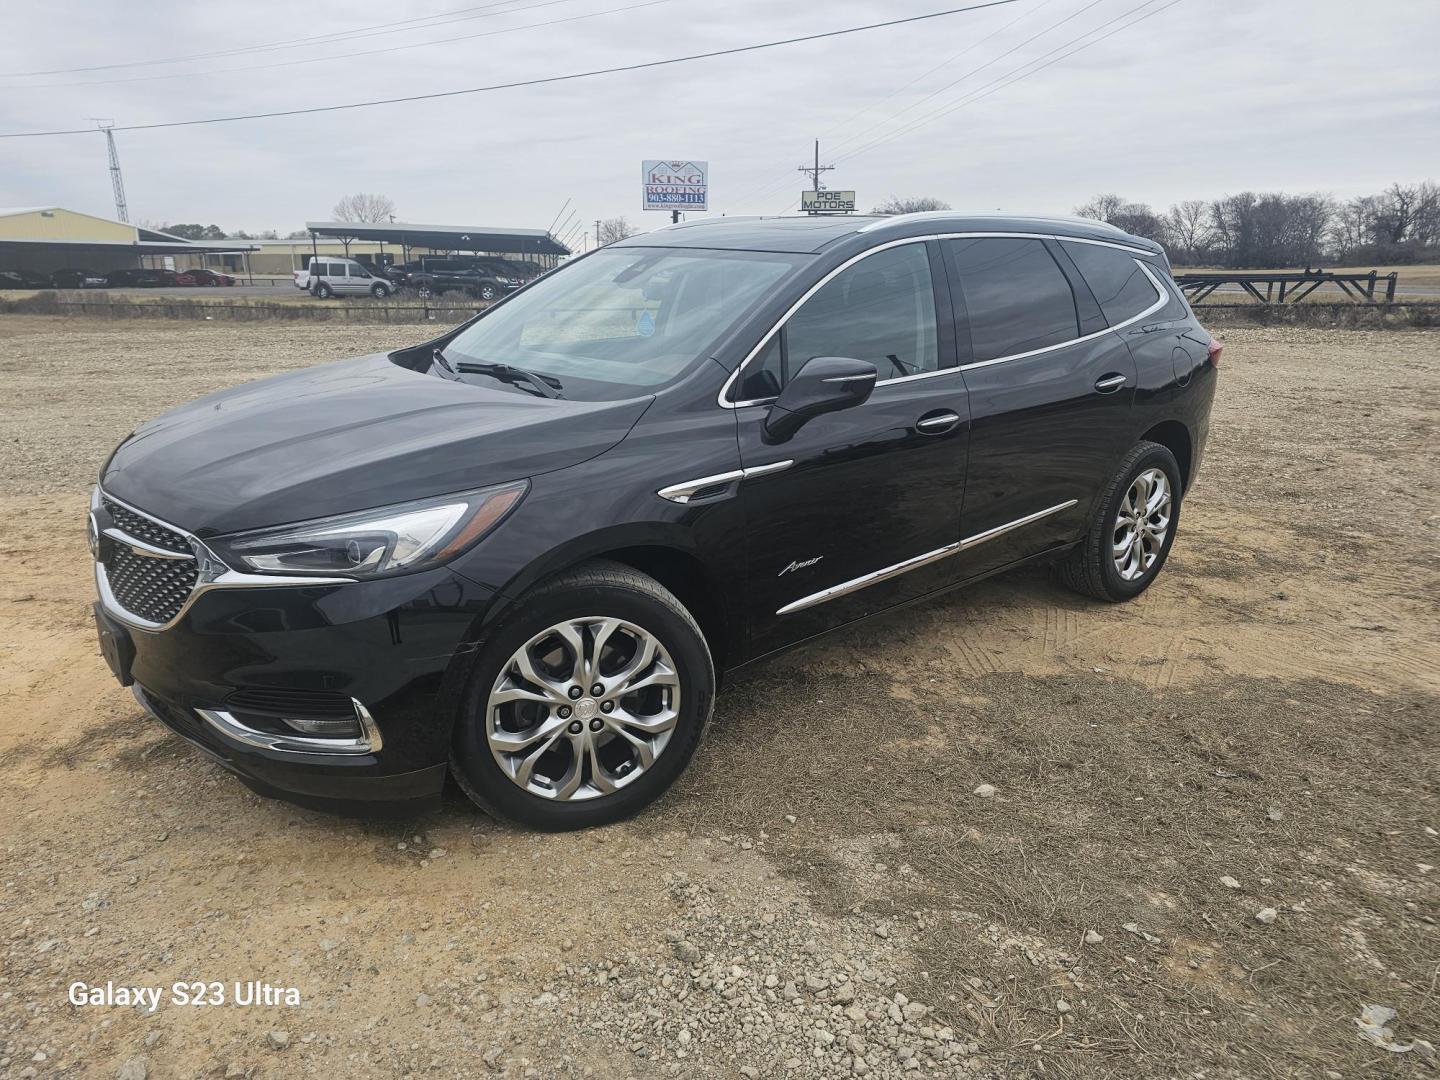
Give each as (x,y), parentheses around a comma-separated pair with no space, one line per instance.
(1270,229)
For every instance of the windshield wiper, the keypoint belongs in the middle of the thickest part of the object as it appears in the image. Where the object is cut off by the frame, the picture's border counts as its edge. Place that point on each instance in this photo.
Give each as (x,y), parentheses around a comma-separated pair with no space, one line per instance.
(544,385)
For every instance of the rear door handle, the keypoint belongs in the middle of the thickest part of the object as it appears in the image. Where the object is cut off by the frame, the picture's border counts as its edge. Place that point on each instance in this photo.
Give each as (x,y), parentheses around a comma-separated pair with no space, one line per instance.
(1108,384)
(938,422)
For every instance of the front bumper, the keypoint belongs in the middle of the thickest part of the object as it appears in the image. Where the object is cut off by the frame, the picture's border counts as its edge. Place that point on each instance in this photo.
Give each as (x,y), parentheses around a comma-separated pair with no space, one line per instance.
(386,644)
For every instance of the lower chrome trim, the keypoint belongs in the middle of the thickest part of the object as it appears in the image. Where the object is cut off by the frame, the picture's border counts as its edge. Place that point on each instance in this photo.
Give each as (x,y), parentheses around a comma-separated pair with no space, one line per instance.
(369,741)
(685,491)
(991,534)
(877,576)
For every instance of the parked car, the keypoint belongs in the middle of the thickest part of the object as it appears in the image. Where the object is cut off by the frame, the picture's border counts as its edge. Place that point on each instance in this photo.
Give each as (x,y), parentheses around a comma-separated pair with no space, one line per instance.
(23,279)
(398,273)
(78,278)
(524,552)
(344,277)
(438,276)
(142,277)
(203,276)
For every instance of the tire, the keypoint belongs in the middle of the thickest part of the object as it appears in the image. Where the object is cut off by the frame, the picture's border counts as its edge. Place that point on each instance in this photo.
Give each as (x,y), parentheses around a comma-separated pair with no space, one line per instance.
(578,599)
(426,292)
(378,291)
(323,291)
(1093,567)
(487,292)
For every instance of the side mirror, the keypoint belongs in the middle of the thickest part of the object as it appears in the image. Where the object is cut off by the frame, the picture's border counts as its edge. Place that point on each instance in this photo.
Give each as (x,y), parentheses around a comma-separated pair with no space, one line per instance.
(823,384)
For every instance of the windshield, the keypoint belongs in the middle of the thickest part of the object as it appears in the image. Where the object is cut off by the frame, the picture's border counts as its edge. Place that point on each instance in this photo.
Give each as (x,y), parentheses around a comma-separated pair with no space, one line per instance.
(622,322)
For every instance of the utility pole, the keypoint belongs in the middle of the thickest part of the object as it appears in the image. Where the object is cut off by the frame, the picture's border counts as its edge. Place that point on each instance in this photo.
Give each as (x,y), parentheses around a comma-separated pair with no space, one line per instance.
(815,170)
(597,232)
(117,182)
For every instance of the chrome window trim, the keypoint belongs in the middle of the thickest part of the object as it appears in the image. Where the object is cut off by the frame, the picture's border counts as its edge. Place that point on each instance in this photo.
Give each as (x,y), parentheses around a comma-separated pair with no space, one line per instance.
(905,566)
(213,573)
(686,489)
(722,398)
(1160,301)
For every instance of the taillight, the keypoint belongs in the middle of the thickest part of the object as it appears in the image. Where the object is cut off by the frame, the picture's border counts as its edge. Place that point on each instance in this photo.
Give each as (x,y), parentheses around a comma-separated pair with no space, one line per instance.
(1216,348)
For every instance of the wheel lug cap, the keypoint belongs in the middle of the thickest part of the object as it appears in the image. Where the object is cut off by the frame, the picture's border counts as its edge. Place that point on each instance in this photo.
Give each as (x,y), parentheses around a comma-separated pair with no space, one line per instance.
(564,712)
(576,727)
(607,706)
(597,690)
(596,724)
(576,692)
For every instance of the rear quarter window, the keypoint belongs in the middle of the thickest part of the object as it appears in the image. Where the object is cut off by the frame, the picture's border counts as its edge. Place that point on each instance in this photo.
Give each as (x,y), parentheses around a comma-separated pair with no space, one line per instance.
(1115,278)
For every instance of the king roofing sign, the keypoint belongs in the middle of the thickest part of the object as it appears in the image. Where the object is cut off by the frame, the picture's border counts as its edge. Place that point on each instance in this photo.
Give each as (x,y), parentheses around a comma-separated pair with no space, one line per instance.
(676,185)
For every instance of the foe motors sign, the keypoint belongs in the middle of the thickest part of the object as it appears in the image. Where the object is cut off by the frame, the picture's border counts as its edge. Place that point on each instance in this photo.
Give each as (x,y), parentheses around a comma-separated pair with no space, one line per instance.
(827,202)
(677,185)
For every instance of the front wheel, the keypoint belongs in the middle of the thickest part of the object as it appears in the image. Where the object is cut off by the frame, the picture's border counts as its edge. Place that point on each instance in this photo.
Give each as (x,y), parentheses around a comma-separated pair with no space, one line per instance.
(378,291)
(1133,528)
(487,292)
(586,702)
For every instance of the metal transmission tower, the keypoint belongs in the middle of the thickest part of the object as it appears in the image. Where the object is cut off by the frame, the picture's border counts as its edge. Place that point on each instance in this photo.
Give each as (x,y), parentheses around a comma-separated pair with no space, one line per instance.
(116,180)
(815,170)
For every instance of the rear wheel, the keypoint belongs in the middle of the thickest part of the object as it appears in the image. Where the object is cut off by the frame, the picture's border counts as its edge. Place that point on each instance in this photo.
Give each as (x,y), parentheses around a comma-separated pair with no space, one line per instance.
(323,291)
(488,292)
(1133,528)
(586,703)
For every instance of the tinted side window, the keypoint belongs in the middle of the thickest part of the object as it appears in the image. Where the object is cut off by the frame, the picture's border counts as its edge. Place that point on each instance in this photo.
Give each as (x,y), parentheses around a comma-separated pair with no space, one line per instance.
(882,310)
(1016,296)
(1116,280)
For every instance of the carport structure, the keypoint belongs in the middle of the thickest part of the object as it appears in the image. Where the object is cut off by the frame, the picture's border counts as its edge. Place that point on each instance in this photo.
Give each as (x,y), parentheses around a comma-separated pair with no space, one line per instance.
(49,238)
(535,245)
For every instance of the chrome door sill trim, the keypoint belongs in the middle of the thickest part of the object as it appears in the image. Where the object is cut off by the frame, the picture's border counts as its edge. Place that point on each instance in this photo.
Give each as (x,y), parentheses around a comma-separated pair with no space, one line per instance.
(877,576)
(369,741)
(686,490)
(991,534)
(872,578)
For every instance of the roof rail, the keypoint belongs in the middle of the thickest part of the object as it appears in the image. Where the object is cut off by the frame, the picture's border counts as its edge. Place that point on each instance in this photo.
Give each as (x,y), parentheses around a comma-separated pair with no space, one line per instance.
(922,215)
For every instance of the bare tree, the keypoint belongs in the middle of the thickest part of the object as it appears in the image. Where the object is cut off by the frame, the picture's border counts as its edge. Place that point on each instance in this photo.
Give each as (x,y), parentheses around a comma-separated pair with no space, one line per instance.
(615,228)
(1188,230)
(914,204)
(363,207)
(1135,218)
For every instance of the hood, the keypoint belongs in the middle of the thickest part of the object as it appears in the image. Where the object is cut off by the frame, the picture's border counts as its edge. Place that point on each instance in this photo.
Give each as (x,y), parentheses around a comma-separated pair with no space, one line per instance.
(348,436)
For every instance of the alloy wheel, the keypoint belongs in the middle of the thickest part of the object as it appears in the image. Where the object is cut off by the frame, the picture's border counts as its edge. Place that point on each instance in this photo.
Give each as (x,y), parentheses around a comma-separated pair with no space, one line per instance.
(583,708)
(1142,524)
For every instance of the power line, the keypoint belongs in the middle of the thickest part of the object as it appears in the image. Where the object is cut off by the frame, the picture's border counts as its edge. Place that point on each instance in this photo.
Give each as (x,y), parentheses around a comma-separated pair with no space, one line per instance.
(1014,75)
(525,82)
(765,191)
(363,52)
(986,90)
(305,42)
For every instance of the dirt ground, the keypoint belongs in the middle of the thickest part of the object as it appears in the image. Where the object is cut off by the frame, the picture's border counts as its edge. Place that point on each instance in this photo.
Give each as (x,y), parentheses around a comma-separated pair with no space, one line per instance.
(1211,842)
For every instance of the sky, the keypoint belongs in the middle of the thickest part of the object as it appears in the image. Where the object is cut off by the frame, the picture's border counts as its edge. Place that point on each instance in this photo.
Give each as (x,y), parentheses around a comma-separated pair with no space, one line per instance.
(1199,99)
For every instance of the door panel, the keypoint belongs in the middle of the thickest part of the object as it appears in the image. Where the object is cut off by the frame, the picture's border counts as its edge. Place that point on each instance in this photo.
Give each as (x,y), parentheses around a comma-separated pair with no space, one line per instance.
(1049,412)
(868,490)
(871,487)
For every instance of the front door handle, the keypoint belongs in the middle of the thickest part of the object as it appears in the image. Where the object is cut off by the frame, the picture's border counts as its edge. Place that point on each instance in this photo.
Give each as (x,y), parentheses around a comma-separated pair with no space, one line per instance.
(1108,384)
(937,422)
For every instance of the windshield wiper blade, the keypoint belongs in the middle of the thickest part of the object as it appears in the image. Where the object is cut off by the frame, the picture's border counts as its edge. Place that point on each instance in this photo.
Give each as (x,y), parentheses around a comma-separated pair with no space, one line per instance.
(544,385)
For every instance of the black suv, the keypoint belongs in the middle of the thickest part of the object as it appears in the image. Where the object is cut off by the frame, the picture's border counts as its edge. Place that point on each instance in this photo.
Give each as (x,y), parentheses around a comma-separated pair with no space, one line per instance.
(479,279)
(524,552)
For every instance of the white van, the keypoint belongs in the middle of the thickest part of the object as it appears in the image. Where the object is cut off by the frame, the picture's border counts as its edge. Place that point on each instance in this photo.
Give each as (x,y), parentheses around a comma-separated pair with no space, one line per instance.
(344,277)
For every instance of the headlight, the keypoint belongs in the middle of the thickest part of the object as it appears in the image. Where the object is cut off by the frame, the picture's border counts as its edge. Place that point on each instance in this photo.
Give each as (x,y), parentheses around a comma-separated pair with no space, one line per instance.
(373,543)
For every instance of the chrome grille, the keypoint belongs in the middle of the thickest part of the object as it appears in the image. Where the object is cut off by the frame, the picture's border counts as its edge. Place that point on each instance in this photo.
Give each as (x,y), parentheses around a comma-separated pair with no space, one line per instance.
(150,588)
(142,528)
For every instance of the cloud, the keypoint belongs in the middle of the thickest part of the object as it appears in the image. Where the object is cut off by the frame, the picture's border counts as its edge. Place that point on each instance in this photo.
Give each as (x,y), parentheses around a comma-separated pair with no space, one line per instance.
(1201,99)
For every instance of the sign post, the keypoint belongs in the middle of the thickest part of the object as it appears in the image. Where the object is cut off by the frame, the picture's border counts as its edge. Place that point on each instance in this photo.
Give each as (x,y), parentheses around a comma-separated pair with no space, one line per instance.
(676,186)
